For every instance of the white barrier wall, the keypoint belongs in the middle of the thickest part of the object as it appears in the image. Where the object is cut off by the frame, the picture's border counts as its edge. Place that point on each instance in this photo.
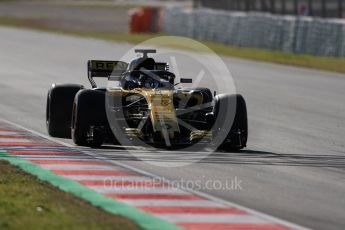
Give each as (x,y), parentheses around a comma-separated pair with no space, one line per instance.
(287,33)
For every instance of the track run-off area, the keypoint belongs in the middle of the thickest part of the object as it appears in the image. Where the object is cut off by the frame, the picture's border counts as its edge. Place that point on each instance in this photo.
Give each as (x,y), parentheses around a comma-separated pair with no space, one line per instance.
(165,202)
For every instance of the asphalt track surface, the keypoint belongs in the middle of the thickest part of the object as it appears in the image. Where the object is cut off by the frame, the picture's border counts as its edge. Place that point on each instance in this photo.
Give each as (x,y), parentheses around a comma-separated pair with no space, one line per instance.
(58,15)
(293,167)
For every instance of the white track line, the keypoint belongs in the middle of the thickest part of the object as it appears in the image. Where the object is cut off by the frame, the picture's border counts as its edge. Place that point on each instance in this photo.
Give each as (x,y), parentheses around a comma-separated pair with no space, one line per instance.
(220,202)
(108,179)
(80,167)
(15,140)
(8,133)
(58,157)
(172,203)
(142,190)
(219,218)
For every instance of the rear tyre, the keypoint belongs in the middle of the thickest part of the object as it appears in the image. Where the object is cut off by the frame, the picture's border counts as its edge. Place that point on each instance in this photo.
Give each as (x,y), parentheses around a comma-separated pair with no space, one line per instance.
(59,109)
(89,118)
(236,138)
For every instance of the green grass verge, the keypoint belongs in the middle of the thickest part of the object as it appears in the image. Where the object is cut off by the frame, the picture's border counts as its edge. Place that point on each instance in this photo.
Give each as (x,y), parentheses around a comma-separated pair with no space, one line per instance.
(142,219)
(28,203)
(265,55)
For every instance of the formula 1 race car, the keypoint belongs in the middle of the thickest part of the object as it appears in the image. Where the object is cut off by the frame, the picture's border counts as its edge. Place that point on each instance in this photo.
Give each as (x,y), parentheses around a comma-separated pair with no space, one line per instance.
(144,105)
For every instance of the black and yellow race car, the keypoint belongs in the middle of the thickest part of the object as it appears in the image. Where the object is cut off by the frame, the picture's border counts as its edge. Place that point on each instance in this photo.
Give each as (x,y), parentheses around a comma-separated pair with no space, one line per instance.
(143,105)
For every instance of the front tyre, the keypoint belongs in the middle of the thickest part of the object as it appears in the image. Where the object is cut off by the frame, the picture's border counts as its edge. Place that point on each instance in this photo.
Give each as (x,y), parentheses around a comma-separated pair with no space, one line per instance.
(237,136)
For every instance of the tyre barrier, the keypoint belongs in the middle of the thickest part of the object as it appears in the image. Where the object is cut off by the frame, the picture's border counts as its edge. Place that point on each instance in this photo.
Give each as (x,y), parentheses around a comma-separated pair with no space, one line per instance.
(145,20)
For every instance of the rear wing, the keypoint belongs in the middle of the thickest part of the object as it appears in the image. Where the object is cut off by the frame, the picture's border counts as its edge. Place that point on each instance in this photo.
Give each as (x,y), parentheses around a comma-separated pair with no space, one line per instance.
(98,68)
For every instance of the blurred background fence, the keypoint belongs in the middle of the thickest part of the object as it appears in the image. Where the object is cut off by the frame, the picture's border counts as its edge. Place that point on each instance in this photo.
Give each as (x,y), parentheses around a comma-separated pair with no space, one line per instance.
(320,8)
(311,35)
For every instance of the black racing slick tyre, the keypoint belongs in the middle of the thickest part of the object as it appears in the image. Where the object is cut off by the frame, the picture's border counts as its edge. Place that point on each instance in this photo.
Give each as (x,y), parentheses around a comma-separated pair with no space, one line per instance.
(89,118)
(59,109)
(237,136)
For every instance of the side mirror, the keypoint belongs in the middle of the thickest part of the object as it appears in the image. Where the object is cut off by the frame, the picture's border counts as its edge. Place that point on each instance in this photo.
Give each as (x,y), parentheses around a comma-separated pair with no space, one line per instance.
(186,80)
